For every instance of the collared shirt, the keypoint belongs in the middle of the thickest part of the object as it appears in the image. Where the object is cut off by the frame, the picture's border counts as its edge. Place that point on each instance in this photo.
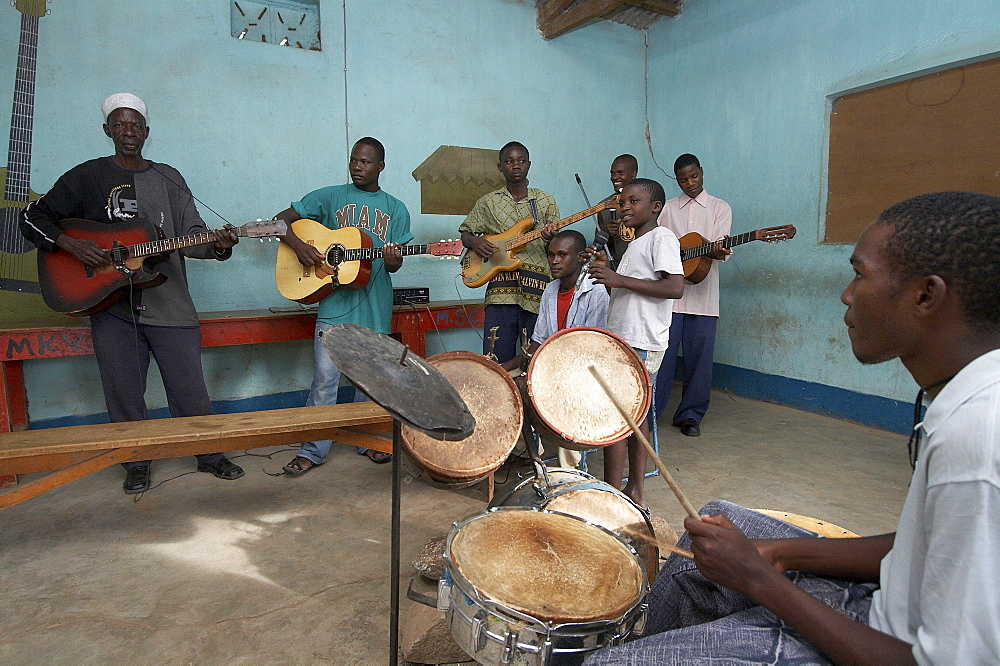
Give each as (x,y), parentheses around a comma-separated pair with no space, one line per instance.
(712,218)
(497,212)
(589,308)
(939,582)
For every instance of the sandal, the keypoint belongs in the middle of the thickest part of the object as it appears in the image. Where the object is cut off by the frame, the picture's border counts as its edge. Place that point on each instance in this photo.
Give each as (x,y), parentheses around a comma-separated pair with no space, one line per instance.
(378,457)
(299,466)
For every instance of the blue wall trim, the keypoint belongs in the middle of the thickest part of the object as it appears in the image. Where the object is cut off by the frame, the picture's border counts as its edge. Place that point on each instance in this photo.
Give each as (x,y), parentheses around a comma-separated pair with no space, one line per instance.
(870,410)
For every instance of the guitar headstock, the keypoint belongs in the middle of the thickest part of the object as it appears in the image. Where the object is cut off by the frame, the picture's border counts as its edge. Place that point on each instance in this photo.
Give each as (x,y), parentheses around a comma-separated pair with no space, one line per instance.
(31,7)
(779,233)
(265,229)
(446,249)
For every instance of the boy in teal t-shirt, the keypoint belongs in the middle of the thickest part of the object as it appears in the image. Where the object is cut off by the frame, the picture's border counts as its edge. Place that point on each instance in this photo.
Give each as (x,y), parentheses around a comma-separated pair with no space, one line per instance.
(362,204)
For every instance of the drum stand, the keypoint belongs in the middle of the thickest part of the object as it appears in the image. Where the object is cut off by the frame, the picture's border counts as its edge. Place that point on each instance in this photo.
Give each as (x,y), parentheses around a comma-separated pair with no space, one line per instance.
(397,454)
(413,392)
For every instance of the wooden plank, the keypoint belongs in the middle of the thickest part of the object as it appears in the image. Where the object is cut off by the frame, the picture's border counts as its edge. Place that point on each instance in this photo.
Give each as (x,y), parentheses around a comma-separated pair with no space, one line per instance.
(665,7)
(552,9)
(216,432)
(582,13)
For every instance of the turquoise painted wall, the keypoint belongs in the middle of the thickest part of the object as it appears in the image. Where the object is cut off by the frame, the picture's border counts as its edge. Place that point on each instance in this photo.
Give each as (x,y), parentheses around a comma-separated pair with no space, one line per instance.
(748,86)
(253,127)
(745,85)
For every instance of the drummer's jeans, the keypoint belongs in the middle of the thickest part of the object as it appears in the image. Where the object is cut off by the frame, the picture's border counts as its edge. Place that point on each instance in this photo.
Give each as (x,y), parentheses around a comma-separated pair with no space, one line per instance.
(326,382)
(692,620)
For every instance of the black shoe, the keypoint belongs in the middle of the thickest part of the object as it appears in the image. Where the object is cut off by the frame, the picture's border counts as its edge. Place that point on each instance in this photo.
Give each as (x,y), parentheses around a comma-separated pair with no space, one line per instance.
(689,428)
(136,480)
(223,468)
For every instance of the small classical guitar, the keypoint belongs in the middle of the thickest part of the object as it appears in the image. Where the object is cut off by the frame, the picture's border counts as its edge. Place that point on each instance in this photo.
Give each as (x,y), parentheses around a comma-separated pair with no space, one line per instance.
(134,248)
(348,255)
(695,248)
(477,271)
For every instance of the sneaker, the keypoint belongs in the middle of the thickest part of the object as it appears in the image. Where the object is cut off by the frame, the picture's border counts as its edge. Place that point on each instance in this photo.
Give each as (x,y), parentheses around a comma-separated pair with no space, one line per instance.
(223,468)
(136,480)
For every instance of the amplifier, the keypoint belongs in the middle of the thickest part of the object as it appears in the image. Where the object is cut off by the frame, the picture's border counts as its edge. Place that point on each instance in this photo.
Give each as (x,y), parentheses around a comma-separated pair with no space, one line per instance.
(411,296)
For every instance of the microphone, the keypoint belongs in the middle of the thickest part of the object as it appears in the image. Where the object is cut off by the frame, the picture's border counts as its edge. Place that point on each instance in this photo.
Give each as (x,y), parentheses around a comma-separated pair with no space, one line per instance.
(601,239)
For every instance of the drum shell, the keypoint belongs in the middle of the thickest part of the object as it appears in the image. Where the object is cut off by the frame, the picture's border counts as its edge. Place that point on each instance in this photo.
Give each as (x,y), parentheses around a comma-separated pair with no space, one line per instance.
(583,495)
(565,401)
(494,401)
(492,633)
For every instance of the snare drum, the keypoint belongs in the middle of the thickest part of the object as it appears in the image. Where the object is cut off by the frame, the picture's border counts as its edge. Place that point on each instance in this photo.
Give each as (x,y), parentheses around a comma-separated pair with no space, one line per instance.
(524,586)
(580,494)
(568,402)
(494,401)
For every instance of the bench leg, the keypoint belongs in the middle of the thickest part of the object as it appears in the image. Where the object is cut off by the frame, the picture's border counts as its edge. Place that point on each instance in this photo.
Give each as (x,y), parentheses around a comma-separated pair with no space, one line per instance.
(62,477)
(13,407)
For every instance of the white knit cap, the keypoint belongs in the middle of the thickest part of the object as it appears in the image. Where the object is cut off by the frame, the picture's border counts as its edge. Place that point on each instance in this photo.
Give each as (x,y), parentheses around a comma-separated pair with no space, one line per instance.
(123,101)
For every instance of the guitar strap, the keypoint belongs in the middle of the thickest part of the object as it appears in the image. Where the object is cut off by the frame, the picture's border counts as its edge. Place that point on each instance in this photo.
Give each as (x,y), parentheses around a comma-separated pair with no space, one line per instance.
(533,203)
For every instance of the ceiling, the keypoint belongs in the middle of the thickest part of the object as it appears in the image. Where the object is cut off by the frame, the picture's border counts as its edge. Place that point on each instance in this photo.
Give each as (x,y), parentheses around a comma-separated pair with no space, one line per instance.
(557,17)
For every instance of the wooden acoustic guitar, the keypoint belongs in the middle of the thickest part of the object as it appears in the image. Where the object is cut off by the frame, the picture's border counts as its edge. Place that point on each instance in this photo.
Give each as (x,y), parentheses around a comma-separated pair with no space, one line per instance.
(477,271)
(348,259)
(695,248)
(134,247)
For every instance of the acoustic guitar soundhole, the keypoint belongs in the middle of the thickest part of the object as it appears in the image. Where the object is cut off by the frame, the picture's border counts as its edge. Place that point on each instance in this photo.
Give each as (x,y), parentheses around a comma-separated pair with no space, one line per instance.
(336,255)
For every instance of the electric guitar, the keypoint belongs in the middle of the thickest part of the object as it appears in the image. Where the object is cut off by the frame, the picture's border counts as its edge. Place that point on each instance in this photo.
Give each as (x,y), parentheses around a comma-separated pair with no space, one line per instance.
(134,248)
(477,271)
(347,264)
(695,248)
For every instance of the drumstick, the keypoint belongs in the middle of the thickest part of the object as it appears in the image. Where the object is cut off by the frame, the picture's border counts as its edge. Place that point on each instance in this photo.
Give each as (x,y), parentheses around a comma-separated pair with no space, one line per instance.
(649,447)
(677,550)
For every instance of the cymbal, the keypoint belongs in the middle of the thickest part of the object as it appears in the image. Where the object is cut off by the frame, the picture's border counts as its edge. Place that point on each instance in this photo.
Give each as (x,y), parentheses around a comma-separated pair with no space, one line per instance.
(404,384)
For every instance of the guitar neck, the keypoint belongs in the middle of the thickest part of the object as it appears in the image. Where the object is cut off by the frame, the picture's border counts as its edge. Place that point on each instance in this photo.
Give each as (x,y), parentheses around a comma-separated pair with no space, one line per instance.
(524,239)
(21,117)
(369,253)
(708,248)
(170,244)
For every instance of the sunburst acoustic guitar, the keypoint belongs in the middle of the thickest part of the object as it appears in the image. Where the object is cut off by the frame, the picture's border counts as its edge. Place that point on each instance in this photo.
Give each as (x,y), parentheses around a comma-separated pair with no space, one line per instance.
(134,247)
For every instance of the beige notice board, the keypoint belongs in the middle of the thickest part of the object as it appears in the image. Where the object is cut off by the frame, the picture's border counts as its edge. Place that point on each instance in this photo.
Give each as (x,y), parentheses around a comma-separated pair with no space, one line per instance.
(932,133)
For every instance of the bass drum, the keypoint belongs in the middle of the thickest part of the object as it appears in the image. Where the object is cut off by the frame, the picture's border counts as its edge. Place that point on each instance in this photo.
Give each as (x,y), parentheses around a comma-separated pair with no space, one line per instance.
(567,402)
(580,494)
(494,401)
(524,586)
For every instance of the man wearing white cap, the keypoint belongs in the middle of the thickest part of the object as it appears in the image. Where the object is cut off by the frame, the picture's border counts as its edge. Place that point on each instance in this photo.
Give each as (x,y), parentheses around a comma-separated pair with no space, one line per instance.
(161,320)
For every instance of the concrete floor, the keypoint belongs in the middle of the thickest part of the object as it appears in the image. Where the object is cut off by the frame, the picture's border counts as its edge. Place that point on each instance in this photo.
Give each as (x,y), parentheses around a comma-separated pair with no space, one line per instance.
(296,570)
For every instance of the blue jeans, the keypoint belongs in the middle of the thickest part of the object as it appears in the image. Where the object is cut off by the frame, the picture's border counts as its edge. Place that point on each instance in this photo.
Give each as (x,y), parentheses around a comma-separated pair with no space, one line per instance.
(694,621)
(325,384)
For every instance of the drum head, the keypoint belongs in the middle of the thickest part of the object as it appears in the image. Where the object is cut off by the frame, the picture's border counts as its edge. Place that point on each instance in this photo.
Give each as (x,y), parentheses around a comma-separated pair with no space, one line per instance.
(495,403)
(568,400)
(550,566)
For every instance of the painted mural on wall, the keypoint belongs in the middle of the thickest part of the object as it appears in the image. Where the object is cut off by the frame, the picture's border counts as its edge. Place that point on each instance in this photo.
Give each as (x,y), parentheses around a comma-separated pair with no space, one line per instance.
(20,297)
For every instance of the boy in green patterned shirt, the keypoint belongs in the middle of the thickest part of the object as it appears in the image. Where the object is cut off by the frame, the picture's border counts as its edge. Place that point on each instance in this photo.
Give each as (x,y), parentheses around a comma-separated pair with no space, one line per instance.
(512,297)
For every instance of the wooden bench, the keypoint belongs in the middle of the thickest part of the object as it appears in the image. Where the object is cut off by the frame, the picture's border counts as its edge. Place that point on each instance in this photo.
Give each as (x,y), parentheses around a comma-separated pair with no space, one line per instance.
(58,336)
(80,450)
